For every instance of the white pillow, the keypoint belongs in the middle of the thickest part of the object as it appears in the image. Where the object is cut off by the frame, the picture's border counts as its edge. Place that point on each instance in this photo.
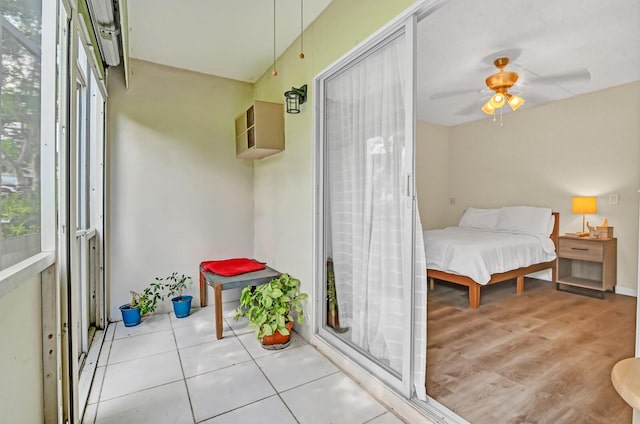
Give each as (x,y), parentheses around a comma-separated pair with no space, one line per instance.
(525,219)
(550,225)
(483,219)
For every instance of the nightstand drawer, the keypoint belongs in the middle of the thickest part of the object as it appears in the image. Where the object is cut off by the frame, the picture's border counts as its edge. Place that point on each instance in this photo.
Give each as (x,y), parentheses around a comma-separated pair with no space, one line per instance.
(581,249)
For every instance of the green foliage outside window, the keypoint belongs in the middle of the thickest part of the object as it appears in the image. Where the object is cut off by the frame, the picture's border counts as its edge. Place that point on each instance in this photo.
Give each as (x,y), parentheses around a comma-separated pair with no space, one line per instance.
(20,68)
(20,214)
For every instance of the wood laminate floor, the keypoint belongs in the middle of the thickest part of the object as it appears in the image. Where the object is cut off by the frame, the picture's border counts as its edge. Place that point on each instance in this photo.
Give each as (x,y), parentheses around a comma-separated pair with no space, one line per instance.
(542,357)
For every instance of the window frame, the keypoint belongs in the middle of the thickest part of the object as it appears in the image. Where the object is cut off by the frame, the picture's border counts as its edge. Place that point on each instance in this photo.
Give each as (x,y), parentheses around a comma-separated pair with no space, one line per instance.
(14,275)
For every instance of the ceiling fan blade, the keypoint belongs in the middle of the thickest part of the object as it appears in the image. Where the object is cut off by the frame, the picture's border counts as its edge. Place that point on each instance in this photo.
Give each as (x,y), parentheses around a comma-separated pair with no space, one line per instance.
(575,76)
(452,93)
(535,99)
(473,107)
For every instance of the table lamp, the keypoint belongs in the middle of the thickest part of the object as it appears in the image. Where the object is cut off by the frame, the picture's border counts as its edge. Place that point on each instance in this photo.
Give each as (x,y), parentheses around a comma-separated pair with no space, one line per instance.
(583,205)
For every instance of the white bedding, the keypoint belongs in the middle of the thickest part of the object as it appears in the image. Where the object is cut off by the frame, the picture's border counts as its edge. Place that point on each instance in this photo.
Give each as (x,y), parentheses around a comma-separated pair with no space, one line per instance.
(479,253)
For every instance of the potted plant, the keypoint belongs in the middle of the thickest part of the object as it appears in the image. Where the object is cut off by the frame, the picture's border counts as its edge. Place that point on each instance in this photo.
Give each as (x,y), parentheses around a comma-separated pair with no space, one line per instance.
(175,286)
(269,309)
(142,303)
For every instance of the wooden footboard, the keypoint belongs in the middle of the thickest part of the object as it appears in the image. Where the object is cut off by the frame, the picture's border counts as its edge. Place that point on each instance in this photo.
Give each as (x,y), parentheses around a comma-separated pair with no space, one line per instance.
(474,288)
(518,274)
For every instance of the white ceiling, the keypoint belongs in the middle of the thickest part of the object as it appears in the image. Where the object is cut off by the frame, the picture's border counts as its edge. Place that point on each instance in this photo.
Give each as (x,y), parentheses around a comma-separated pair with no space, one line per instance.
(227,38)
(560,48)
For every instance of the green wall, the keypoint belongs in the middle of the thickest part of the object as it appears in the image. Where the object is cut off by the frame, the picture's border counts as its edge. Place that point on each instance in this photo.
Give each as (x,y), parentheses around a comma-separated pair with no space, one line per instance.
(283,184)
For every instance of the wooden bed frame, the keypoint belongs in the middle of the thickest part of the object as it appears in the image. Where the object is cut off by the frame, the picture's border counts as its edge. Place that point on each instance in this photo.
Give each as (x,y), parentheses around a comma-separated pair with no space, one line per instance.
(518,274)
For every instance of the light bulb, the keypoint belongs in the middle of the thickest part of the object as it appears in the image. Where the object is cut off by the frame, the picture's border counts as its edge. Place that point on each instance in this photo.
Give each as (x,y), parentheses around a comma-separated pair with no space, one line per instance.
(497,101)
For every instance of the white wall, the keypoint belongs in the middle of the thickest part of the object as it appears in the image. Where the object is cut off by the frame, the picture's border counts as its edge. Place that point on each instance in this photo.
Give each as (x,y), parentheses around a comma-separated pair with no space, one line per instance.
(586,145)
(176,193)
(21,354)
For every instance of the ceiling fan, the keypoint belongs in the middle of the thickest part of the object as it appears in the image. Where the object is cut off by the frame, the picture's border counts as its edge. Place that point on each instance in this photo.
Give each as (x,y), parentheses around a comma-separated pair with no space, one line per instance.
(501,82)
(501,85)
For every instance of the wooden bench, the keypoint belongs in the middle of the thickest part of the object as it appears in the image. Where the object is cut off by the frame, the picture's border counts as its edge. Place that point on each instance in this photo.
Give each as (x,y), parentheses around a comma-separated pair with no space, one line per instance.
(220,283)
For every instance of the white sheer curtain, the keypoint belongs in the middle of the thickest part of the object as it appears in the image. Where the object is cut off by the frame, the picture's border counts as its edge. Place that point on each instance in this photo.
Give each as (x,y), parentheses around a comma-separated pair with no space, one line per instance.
(365,126)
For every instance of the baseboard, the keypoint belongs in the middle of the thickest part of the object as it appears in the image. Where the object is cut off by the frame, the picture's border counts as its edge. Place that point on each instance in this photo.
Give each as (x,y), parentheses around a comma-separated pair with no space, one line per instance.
(626,291)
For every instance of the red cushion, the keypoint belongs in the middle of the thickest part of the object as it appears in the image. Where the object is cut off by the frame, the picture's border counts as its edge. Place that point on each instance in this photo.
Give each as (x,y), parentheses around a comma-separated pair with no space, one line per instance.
(229,267)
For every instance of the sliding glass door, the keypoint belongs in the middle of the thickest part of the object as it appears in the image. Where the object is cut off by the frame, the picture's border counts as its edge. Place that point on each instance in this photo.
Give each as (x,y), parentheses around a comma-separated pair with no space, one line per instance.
(80,147)
(367,211)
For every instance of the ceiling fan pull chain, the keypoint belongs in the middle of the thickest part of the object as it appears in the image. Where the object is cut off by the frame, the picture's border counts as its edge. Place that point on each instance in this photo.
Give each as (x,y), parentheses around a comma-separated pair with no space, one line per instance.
(301,29)
(500,117)
(275,71)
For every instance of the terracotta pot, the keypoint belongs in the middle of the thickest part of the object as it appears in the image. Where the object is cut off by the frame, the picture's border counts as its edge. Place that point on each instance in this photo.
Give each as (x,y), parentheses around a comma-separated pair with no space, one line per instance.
(277,338)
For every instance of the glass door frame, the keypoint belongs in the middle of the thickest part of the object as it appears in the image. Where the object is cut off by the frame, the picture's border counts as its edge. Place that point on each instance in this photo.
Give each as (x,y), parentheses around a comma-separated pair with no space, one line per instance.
(407,22)
(403,26)
(80,251)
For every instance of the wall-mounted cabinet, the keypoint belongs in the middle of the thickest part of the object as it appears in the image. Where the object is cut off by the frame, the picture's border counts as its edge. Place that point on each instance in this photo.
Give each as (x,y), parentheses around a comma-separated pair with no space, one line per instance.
(260,131)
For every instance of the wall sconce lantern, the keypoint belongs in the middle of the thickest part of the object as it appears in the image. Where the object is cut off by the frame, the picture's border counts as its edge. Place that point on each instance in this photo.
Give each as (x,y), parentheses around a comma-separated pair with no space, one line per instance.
(295,97)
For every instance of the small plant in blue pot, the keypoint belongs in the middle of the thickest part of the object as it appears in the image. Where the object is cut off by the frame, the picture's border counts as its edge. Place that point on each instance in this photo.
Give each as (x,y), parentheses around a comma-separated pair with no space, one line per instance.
(142,303)
(131,315)
(181,303)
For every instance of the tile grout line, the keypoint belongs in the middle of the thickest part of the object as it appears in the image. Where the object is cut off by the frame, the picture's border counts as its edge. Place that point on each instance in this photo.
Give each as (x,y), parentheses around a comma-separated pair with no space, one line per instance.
(172,332)
(252,359)
(255,360)
(376,417)
(141,357)
(135,359)
(184,378)
(277,393)
(236,408)
(146,389)
(122,362)
(106,364)
(388,408)
(136,335)
(338,371)
(274,389)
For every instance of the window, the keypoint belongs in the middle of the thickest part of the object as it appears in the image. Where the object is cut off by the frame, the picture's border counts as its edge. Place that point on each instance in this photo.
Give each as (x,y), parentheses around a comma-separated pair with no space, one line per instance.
(20,131)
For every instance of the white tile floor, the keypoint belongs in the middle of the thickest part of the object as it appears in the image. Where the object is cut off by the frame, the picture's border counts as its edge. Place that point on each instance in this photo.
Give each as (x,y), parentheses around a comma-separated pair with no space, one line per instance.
(169,370)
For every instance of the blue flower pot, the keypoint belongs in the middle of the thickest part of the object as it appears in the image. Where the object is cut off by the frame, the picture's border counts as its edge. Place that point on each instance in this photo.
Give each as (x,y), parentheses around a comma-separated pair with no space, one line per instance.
(130,316)
(182,306)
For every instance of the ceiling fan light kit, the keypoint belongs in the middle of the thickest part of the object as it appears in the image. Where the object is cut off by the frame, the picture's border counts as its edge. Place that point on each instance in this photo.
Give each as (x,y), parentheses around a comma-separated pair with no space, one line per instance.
(501,82)
(488,109)
(514,101)
(497,101)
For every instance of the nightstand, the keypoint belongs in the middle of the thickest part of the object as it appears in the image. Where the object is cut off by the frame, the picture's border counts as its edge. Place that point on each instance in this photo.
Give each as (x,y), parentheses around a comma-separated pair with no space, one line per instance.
(587,263)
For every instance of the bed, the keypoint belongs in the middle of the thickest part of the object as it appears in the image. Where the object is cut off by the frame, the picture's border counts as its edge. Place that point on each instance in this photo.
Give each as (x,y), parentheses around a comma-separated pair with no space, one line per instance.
(493,245)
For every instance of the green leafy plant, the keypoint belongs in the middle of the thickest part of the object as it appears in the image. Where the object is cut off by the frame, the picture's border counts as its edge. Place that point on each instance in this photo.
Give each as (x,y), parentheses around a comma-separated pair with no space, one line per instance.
(149,298)
(270,305)
(175,285)
(157,291)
